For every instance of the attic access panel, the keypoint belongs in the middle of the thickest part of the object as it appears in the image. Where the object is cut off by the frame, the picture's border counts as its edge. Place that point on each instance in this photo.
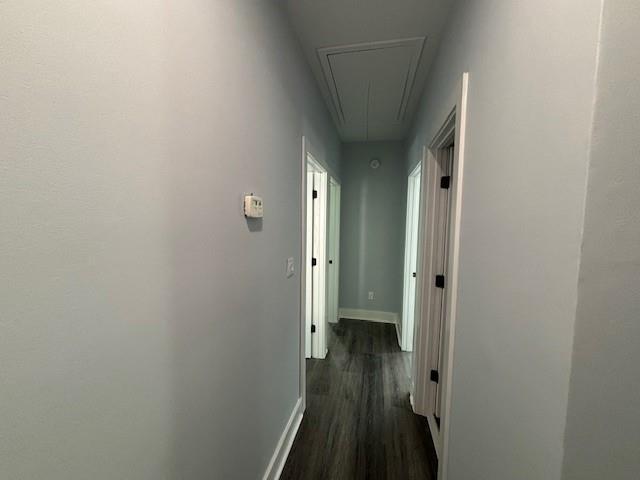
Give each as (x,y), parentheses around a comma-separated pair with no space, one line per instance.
(370,83)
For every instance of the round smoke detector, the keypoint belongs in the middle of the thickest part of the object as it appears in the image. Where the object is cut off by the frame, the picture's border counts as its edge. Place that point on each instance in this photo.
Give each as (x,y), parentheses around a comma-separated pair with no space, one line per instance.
(374,163)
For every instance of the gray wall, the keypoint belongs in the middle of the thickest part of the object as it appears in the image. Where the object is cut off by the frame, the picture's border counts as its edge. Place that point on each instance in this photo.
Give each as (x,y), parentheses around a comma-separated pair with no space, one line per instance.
(147,332)
(372,218)
(603,420)
(532,68)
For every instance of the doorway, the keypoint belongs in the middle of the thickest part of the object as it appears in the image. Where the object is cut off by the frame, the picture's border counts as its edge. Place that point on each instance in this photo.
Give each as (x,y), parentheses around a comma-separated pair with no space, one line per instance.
(430,368)
(411,258)
(333,264)
(441,218)
(438,260)
(315,258)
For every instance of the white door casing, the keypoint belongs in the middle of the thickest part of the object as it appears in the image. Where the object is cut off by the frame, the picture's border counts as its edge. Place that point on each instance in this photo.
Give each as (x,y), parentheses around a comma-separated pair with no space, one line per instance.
(411,258)
(333,257)
(316,259)
(308,271)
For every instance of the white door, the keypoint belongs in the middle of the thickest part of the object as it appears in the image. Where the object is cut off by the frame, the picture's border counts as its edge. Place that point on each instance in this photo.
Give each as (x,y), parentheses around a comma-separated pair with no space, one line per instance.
(333,257)
(411,259)
(316,254)
(309,277)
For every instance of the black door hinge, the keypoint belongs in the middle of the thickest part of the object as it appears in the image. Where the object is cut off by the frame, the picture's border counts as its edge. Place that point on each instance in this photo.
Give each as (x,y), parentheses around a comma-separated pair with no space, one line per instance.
(313,329)
(435,376)
(315,194)
(314,262)
(440,281)
(413,274)
(445,182)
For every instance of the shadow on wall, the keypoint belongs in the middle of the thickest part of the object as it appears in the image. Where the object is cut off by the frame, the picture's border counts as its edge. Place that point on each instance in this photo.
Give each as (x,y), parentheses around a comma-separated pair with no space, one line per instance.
(254,224)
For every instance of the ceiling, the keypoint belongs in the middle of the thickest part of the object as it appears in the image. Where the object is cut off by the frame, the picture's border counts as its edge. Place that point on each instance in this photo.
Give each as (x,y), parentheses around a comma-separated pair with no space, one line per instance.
(370,58)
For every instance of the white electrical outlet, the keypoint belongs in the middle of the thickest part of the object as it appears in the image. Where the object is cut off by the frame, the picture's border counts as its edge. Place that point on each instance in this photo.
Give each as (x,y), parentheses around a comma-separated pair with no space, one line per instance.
(290,267)
(371,295)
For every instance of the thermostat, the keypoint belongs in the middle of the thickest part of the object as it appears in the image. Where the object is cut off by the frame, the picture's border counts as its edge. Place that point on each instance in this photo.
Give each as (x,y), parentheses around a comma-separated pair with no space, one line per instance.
(252,206)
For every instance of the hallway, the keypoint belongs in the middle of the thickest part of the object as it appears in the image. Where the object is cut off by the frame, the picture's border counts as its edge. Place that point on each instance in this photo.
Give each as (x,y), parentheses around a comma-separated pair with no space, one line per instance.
(320,240)
(358,422)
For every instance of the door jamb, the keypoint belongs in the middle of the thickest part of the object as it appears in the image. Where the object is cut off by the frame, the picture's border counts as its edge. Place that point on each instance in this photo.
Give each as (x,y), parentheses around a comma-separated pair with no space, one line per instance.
(454,261)
(333,241)
(302,385)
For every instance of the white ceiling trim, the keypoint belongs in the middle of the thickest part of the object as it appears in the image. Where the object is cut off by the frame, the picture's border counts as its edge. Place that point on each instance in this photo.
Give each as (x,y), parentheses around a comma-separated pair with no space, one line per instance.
(325,54)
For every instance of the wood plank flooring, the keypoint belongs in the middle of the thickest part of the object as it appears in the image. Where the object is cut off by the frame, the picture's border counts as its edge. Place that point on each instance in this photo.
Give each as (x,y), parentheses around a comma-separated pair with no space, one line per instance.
(358,423)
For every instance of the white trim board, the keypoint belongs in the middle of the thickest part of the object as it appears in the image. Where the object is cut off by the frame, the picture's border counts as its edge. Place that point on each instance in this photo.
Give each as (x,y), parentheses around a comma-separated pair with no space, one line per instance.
(302,312)
(454,240)
(368,315)
(279,458)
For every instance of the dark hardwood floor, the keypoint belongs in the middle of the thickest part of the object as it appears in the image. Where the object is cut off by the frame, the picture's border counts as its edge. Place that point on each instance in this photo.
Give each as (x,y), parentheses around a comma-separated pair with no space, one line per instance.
(358,423)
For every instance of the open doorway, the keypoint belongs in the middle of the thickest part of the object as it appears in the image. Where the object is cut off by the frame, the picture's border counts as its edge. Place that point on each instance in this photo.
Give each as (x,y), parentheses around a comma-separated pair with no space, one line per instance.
(333,264)
(411,258)
(316,197)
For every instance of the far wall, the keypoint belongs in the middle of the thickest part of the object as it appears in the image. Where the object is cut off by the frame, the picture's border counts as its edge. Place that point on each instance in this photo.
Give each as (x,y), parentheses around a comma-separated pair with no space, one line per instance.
(372,226)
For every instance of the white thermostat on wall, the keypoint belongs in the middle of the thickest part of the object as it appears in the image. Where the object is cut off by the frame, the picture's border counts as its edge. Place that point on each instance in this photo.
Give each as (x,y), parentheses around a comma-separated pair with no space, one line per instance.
(253,206)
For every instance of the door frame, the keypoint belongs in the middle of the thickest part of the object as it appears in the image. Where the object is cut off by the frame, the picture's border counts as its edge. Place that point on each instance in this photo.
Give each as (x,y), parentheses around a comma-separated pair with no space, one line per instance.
(454,122)
(412,230)
(333,257)
(435,299)
(307,280)
(302,370)
(314,296)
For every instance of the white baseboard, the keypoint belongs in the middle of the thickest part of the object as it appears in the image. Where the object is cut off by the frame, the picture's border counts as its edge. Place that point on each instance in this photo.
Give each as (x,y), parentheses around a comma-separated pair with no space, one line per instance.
(279,458)
(433,427)
(399,335)
(368,315)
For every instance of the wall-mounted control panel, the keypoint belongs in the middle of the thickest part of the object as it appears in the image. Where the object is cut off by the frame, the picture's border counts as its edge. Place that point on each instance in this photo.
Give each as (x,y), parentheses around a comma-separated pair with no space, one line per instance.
(253,206)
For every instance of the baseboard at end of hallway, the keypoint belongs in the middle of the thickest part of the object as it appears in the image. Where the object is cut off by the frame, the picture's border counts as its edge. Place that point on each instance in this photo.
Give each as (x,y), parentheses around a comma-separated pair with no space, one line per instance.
(369,315)
(279,458)
(399,333)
